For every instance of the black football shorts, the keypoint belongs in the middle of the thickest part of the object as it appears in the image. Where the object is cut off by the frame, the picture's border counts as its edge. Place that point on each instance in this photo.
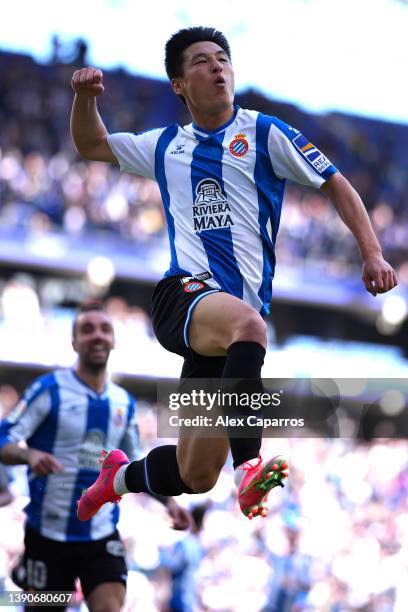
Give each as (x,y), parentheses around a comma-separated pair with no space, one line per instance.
(173,301)
(49,565)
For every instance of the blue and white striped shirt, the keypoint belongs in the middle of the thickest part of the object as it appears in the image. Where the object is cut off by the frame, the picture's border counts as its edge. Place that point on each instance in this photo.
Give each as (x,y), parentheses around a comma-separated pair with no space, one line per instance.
(222,193)
(60,414)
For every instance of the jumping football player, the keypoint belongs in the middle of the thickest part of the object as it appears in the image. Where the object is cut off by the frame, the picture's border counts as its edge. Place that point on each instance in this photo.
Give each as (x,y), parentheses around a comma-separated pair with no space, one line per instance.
(222,179)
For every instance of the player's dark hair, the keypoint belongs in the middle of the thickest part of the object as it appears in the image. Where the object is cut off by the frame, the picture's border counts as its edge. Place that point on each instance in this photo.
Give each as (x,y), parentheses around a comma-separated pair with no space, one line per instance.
(182,39)
(178,43)
(87,306)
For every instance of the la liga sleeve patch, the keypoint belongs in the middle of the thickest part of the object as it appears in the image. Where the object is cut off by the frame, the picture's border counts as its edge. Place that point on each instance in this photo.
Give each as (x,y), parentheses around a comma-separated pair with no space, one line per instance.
(311,153)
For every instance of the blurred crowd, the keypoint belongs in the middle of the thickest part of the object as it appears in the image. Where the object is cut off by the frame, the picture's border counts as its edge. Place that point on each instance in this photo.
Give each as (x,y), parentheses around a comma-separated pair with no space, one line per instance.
(336,538)
(45,187)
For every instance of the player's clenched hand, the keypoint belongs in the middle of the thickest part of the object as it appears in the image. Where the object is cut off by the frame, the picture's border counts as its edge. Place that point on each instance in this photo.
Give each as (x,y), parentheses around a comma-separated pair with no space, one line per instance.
(87,82)
(43,463)
(181,519)
(378,275)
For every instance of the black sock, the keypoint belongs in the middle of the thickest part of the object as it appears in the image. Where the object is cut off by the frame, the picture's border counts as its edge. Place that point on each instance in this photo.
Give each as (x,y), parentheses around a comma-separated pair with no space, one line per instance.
(243,371)
(157,473)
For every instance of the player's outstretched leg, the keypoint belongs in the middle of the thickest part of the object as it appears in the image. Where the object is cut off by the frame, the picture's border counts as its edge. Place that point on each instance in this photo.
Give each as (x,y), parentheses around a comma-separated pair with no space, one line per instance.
(253,478)
(223,321)
(102,491)
(255,485)
(157,474)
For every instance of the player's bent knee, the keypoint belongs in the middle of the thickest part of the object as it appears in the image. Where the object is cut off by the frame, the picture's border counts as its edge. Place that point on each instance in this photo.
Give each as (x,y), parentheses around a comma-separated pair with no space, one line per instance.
(200,482)
(203,484)
(250,328)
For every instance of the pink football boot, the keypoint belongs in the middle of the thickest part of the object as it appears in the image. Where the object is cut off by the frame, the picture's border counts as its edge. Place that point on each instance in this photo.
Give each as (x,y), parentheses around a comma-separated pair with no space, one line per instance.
(257,482)
(102,490)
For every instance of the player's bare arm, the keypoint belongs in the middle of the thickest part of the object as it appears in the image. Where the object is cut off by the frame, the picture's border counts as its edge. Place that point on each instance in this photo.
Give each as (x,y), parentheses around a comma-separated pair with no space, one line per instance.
(87,128)
(40,462)
(378,276)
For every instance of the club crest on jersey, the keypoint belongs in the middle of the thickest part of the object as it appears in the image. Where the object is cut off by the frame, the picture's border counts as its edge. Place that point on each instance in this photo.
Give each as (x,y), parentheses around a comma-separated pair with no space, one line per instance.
(193,286)
(311,153)
(239,146)
(211,209)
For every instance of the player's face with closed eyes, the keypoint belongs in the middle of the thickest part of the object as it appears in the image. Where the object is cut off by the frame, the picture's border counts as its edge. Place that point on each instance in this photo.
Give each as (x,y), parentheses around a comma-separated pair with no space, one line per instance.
(208,78)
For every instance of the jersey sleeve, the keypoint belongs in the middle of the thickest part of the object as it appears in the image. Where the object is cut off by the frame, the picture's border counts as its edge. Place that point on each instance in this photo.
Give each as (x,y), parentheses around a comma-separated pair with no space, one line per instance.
(27,416)
(294,157)
(135,152)
(130,439)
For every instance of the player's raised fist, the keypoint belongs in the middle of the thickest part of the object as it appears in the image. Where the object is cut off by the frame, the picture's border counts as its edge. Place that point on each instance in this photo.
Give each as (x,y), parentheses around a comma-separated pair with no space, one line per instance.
(88,82)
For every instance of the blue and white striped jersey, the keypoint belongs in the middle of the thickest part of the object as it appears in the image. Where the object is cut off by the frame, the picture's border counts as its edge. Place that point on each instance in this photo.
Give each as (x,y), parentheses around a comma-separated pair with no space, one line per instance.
(222,193)
(60,414)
